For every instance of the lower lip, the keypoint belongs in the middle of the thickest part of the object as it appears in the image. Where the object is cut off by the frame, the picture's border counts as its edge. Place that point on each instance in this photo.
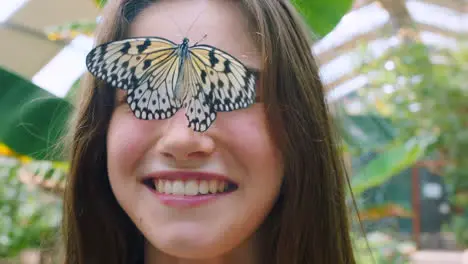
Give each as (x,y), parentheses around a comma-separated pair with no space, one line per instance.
(182,201)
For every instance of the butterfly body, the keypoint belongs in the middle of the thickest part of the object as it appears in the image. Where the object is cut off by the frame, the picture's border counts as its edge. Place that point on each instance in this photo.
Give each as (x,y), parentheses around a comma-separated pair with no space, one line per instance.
(161,77)
(183,51)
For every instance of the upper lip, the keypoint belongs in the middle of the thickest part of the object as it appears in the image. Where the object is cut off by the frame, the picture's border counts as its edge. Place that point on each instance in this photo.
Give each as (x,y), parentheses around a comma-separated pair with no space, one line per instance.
(186,175)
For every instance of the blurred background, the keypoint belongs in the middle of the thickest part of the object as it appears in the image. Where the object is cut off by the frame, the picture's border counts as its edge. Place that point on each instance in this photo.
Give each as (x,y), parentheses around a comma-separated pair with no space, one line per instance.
(396,74)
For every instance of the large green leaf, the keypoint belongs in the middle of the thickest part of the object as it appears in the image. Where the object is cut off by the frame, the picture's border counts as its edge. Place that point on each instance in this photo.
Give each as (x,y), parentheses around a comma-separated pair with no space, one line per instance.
(32,120)
(389,163)
(322,16)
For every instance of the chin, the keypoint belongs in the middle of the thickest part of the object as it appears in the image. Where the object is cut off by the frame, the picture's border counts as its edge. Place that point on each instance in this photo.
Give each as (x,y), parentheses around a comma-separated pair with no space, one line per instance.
(191,246)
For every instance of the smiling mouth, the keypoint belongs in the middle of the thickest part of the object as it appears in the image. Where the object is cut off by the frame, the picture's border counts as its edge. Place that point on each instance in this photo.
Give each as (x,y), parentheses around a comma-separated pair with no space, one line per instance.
(190,187)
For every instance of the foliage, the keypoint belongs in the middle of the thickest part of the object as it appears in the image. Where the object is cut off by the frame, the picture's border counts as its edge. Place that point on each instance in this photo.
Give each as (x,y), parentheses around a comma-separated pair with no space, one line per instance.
(459,227)
(389,163)
(364,134)
(423,91)
(385,248)
(30,218)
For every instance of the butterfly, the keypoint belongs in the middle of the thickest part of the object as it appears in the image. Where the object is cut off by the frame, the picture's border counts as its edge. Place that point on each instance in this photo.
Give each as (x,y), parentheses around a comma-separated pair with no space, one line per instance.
(161,77)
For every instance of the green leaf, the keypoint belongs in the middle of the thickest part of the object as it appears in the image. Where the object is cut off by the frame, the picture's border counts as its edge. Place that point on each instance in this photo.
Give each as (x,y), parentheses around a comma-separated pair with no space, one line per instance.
(389,163)
(33,120)
(322,16)
(100,3)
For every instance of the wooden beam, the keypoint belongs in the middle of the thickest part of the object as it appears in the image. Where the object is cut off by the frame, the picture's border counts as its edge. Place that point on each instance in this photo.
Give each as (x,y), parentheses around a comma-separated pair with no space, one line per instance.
(25,53)
(399,14)
(40,35)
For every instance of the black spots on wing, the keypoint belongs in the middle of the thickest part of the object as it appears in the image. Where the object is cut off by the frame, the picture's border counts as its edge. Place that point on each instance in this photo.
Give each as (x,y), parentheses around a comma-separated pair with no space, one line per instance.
(220,83)
(203,76)
(92,55)
(133,79)
(212,85)
(227,66)
(125,47)
(113,77)
(124,66)
(213,59)
(123,73)
(146,64)
(144,46)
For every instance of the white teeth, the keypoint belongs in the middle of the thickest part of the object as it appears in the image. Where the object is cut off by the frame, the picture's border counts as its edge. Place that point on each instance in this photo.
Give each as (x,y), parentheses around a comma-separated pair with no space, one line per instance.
(178,187)
(203,187)
(160,186)
(213,186)
(221,186)
(190,188)
(167,187)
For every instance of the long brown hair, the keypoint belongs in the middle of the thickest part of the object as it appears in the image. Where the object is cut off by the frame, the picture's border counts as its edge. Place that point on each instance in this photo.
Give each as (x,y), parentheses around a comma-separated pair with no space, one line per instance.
(309,222)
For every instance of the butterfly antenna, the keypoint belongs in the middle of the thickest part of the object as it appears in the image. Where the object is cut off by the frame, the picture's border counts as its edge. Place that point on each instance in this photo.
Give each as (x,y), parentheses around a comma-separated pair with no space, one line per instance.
(193,23)
(177,25)
(204,37)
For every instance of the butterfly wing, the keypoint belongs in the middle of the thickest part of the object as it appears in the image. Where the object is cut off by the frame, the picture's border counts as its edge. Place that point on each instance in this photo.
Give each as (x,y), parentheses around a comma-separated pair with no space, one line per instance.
(148,68)
(198,108)
(226,82)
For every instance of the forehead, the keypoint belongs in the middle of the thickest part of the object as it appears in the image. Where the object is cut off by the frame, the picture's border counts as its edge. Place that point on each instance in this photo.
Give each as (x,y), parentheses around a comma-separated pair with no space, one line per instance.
(222,22)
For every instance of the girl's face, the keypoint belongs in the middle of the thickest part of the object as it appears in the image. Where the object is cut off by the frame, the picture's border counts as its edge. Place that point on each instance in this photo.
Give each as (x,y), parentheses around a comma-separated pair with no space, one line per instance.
(212,189)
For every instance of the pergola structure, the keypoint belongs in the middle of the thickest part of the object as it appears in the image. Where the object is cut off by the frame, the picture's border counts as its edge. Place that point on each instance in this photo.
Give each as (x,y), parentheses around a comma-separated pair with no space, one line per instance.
(381,25)
(56,65)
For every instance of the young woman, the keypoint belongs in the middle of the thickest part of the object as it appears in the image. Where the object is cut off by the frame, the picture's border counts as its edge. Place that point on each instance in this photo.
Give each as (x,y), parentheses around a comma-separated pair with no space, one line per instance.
(264,184)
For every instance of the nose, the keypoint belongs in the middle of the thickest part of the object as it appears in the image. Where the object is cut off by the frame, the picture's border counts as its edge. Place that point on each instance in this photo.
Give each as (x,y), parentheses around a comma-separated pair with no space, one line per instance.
(180,143)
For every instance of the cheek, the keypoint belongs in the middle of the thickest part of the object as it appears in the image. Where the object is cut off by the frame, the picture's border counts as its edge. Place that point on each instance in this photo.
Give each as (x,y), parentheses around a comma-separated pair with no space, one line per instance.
(127,140)
(246,136)
(247,139)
